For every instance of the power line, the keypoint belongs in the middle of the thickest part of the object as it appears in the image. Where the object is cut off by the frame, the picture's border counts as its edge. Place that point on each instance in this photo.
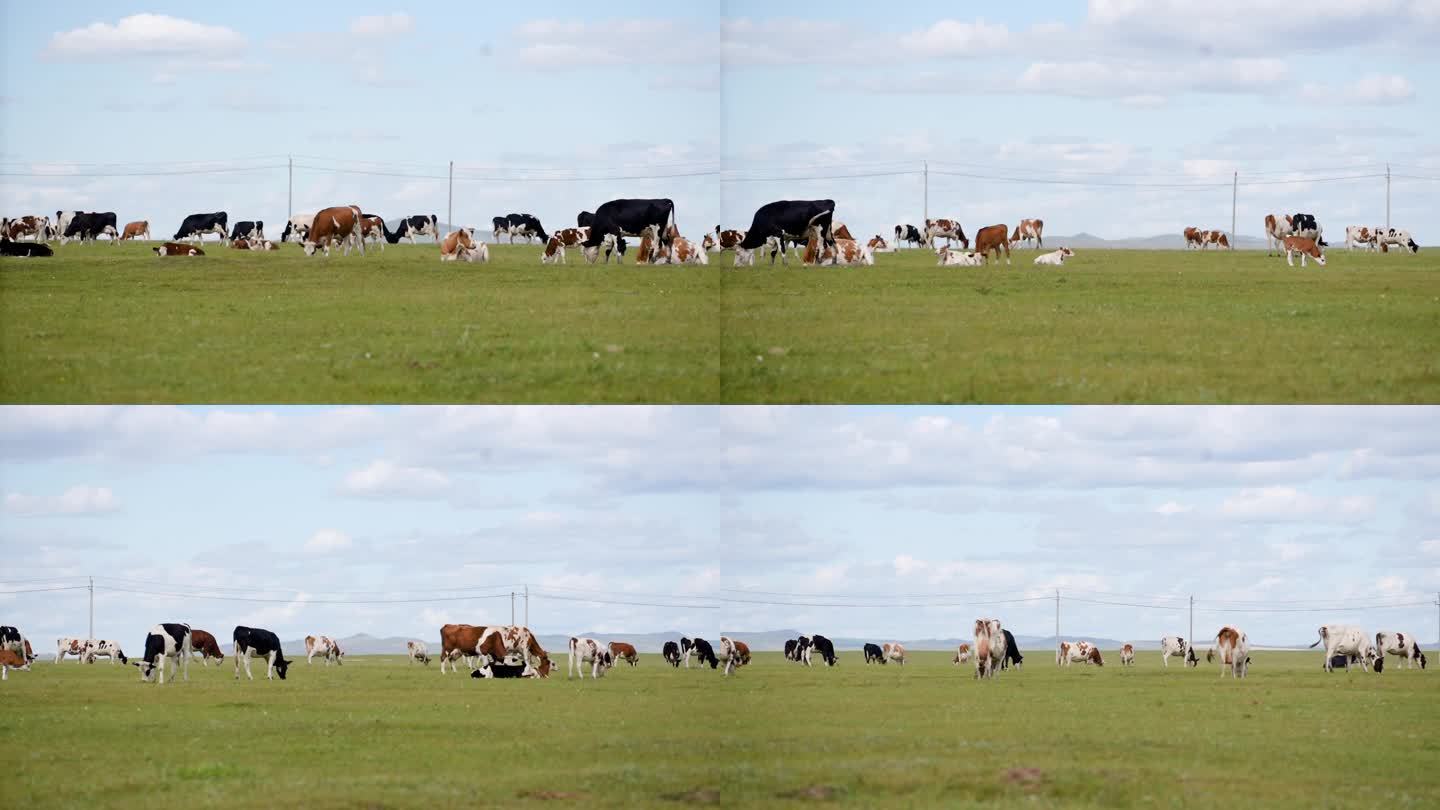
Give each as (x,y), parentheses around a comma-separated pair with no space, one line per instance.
(47,590)
(590,599)
(89,174)
(307,600)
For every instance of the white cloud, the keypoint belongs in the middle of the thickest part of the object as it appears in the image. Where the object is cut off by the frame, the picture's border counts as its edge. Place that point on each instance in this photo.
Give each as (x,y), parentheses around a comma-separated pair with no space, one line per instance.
(383,478)
(328,540)
(567,45)
(144,35)
(1375,89)
(956,38)
(77,500)
(1289,503)
(381,25)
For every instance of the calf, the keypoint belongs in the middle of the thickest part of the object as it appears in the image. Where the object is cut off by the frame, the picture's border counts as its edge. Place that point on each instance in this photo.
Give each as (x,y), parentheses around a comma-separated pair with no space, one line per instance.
(325,647)
(1127,655)
(196,226)
(9,659)
(873,654)
(1401,644)
(1092,656)
(68,645)
(166,640)
(621,651)
(96,648)
(587,651)
(1027,231)
(136,230)
(877,244)
(1055,257)
(1233,650)
(848,251)
(204,643)
(373,228)
(671,653)
(726,239)
(958,258)
(894,651)
(962,654)
(1217,238)
(683,251)
(1348,640)
(177,249)
(989,647)
(703,652)
(993,237)
(416,651)
(254,642)
(1304,246)
(946,229)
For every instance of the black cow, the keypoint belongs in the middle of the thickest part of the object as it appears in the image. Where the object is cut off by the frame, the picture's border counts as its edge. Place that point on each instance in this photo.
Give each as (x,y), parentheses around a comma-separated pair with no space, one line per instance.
(1345,661)
(786,221)
(88,226)
(585,219)
(873,654)
(525,225)
(823,646)
(166,640)
(618,218)
(23,249)
(703,651)
(197,225)
(671,653)
(249,230)
(1305,225)
(254,642)
(908,233)
(417,225)
(790,645)
(1012,652)
(500,669)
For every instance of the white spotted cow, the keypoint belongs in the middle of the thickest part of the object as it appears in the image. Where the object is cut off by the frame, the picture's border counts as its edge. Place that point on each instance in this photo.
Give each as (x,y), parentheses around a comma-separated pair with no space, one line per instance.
(67,645)
(416,651)
(946,229)
(1029,230)
(1347,640)
(962,654)
(1127,655)
(893,651)
(1397,237)
(1055,257)
(1360,236)
(325,647)
(989,647)
(958,258)
(587,651)
(96,648)
(1403,645)
(166,640)
(1175,645)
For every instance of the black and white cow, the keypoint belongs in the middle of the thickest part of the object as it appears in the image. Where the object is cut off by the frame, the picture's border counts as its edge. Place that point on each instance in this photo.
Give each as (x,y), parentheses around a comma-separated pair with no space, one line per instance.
(1304,225)
(500,227)
(908,233)
(413,226)
(1397,237)
(584,219)
(254,642)
(783,221)
(500,669)
(790,645)
(249,230)
(24,249)
(166,640)
(671,653)
(60,224)
(103,648)
(873,654)
(298,227)
(525,225)
(89,226)
(1012,652)
(702,651)
(822,645)
(620,218)
(196,226)
(12,639)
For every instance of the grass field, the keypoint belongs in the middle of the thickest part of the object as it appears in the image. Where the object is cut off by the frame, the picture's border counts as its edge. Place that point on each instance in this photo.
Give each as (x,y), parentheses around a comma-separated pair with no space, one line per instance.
(103,324)
(383,733)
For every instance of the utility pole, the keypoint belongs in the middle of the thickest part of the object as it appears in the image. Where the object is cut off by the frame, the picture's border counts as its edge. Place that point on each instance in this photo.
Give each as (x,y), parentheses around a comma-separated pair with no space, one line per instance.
(1057,621)
(927,189)
(290,191)
(450,220)
(1234,196)
(92,607)
(512,607)
(1192,619)
(1387,196)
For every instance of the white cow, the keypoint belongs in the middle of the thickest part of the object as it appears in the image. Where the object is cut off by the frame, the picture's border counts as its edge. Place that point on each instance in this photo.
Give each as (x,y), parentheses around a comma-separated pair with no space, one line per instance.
(989,647)
(587,651)
(95,648)
(1397,237)
(1346,640)
(1055,257)
(69,645)
(1276,229)
(1361,236)
(1403,645)
(1175,645)
(1233,650)
(417,651)
(894,651)
(325,647)
(958,258)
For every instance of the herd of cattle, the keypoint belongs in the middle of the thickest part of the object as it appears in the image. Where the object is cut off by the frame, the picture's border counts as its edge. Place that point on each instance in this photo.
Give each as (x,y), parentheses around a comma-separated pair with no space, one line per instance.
(512,651)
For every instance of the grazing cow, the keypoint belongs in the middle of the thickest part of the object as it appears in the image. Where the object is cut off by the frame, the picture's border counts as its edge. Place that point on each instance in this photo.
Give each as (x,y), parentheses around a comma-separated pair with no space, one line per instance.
(703,652)
(1175,645)
(962,654)
(989,647)
(1306,226)
(1092,656)
(620,218)
(24,250)
(731,655)
(1071,652)
(1217,238)
(166,640)
(297,228)
(742,652)
(96,648)
(9,659)
(1012,652)
(90,226)
(893,651)
(792,649)
(372,227)
(726,239)
(1233,650)
(587,651)
(873,654)
(416,651)
(325,647)
(958,258)
(205,644)
(1397,237)
(993,237)
(38,228)
(621,651)
(908,234)
(458,641)
(136,230)
(671,653)
(456,244)
(1127,654)
(253,642)
(177,249)
(1027,231)
(248,230)
(1306,247)
(786,220)
(822,645)
(1403,645)
(68,645)
(1362,236)
(524,225)
(946,229)
(196,226)
(13,640)
(1276,229)
(464,641)
(61,223)
(337,223)
(1055,257)
(1194,238)
(683,251)
(413,226)
(1346,639)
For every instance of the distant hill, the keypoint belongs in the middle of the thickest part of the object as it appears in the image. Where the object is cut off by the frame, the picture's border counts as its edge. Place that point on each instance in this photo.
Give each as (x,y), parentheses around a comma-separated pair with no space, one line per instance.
(1160,242)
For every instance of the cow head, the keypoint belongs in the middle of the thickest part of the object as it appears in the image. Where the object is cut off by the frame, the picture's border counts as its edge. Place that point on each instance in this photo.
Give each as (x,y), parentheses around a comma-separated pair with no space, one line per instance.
(281,666)
(1419,655)
(309,246)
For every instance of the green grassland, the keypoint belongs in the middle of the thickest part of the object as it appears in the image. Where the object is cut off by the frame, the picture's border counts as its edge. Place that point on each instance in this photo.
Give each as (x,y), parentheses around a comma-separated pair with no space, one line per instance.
(379,732)
(114,324)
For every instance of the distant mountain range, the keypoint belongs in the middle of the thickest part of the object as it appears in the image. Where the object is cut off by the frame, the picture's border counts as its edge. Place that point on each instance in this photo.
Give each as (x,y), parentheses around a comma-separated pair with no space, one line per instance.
(1171,241)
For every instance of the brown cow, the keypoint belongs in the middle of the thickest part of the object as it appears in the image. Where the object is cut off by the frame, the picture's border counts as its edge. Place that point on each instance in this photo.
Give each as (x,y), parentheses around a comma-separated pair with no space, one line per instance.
(727,239)
(338,223)
(1127,655)
(9,659)
(742,652)
(1093,656)
(457,640)
(177,249)
(18,227)
(1194,238)
(205,644)
(624,652)
(962,654)
(1305,246)
(457,245)
(992,237)
(877,242)
(373,227)
(134,230)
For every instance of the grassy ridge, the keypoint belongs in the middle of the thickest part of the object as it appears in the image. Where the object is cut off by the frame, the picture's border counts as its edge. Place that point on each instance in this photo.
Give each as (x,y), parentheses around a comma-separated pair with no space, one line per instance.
(382,733)
(102,324)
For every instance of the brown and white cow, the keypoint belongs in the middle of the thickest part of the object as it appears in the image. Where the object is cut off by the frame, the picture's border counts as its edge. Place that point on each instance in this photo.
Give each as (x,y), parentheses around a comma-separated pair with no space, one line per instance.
(588,650)
(683,251)
(373,228)
(622,651)
(893,651)
(177,249)
(9,659)
(135,230)
(1233,650)
(962,654)
(1362,236)
(1194,239)
(1276,229)
(205,644)
(993,237)
(417,651)
(339,224)
(1127,654)
(948,229)
(325,647)
(562,239)
(69,645)
(1092,656)
(37,228)
(1027,231)
(1217,238)
(458,641)
(877,244)
(456,244)
(1304,246)
(839,231)
(989,639)
(726,240)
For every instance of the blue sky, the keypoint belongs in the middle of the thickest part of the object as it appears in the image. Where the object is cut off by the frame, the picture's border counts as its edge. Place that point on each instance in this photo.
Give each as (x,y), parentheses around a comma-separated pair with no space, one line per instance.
(661,512)
(1117,91)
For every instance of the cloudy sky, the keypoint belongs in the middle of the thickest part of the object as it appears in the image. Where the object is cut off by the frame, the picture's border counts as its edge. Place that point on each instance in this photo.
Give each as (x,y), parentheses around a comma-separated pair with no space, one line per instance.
(1118,117)
(889,523)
